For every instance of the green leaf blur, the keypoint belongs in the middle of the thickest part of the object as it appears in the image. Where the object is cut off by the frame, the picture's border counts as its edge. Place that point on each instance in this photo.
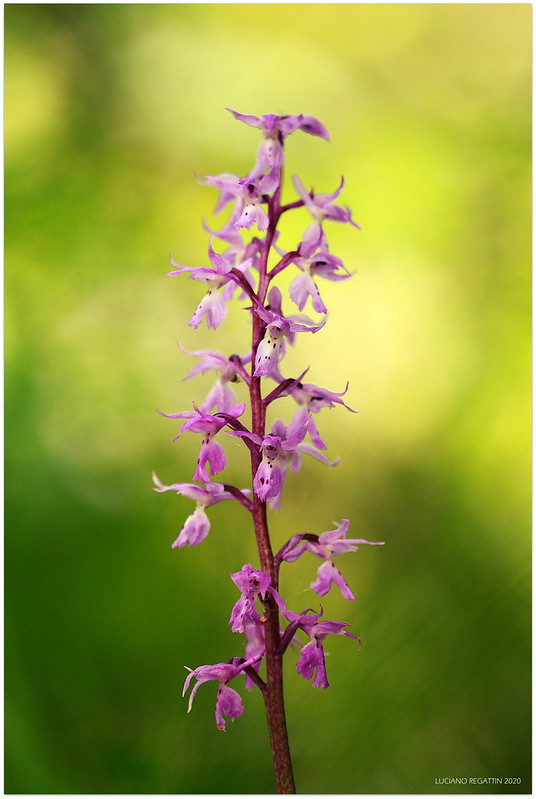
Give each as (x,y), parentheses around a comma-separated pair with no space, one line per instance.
(110,109)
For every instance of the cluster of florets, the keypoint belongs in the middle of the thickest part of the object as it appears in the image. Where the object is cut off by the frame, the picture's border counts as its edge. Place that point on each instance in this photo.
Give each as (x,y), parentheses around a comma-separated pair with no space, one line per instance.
(241,270)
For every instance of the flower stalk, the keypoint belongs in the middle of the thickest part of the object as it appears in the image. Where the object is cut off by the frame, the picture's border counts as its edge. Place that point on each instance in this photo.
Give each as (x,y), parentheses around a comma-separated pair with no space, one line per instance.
(244,268)
(273,695)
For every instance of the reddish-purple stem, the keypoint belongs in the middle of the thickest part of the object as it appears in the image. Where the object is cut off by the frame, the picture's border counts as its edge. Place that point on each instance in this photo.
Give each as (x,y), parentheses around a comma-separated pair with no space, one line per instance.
(273,693)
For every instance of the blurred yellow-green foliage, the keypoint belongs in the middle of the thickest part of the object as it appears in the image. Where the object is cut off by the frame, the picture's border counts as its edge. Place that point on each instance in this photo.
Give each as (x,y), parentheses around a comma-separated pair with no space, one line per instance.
(110,109)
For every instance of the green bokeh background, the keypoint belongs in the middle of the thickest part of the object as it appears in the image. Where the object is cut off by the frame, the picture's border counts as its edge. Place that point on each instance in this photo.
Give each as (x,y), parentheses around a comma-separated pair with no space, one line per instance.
(110,109)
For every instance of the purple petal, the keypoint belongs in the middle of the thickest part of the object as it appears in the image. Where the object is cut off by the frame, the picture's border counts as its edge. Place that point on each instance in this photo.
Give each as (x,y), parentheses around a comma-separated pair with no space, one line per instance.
(213,454)
(269,183)
(190,490)
(249,119)
(323,628)
(235,411)
(195,529)
(221,264)
(315,435)
(214,307)
(326,265)
(275,300)
(242,613)
(307,201)
(286,124)
(332,535)
(281,604)
(207,495)
(218,671)
(228,703)
(294,547)
(313,126)
(188,680)
(250,581)
(205,274)
(246,434)
(319,456)
(302,324)
(312,662)
(180,270)
(228,233)
(306,620)
(327,199)
(226,182)
(317,398)
(334,542)
(312,234)
(209,359)
(297,429)
(203,423)
(328,574)
(251,214)
(303,287)
(312,240)
(255,641)
(337,214)
(255,647)
(219,397)
(351,545)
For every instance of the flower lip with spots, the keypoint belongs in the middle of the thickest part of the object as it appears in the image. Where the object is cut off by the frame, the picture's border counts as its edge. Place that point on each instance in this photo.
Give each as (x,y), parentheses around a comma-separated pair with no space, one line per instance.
(278,328)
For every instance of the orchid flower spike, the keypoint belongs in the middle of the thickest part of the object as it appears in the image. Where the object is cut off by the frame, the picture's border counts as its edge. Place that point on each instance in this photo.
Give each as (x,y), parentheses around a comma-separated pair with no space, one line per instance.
(244,270)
